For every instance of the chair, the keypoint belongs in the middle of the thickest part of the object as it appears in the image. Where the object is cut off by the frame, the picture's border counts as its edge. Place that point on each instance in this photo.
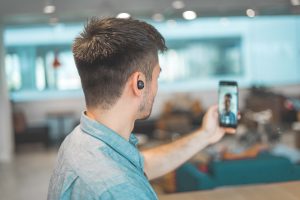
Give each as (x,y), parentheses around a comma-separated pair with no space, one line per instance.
(25,134)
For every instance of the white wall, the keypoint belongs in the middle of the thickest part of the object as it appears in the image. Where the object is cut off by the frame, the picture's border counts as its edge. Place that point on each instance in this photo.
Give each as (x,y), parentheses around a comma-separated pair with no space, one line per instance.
(6,145)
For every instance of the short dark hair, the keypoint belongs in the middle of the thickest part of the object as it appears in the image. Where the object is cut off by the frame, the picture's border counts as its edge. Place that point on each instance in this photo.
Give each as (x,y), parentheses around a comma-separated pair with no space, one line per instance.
(228,95)
(108,51)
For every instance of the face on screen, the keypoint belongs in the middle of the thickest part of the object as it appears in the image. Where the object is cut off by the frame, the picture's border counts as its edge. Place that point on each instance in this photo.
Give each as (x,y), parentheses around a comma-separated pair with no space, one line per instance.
(228,105)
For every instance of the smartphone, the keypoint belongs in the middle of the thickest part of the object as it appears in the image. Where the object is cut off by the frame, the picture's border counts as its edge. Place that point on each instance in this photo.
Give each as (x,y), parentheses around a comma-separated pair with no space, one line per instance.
(228,104)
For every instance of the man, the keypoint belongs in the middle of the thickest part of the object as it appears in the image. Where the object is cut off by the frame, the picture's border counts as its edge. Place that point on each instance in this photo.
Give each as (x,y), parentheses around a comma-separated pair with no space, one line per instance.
(227,116)
(117,60)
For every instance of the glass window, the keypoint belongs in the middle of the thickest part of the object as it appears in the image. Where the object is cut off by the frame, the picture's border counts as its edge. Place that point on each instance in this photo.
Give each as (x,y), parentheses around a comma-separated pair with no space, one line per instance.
(67,75)
(13,71)
(243,50)
(64,76)
(38,66)
(40,74)
(193,59)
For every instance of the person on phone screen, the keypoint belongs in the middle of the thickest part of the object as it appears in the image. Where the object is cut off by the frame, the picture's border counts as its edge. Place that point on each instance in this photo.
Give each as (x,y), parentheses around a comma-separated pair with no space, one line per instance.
(227,116)
(117,60)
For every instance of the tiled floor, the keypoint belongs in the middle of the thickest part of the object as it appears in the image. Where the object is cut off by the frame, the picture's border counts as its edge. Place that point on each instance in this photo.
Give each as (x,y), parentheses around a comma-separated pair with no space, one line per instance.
(27,177)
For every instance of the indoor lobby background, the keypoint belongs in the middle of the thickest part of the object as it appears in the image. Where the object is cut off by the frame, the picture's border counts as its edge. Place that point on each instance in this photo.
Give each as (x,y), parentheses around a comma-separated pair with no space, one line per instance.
(255,43)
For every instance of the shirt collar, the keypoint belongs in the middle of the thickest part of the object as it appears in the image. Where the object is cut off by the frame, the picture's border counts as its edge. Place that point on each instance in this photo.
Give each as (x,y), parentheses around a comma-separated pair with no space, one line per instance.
(113,139)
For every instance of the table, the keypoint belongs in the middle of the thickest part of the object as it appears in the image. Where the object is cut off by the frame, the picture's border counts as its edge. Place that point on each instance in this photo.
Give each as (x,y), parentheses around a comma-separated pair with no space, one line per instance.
(277,191)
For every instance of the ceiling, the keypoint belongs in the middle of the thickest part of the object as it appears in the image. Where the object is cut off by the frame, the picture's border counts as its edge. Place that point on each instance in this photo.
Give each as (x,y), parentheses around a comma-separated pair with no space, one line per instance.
(31,11)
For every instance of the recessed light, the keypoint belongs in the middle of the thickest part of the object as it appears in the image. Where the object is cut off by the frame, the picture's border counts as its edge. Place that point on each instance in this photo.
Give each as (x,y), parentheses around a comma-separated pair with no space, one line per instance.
(189,15)
(123,15)
(250,13)
(295,2)
(49,9)
(178,4)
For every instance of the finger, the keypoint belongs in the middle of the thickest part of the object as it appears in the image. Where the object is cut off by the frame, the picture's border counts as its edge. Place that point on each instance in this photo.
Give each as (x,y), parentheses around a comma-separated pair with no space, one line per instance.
(213,108)
(239,116)
(230,130)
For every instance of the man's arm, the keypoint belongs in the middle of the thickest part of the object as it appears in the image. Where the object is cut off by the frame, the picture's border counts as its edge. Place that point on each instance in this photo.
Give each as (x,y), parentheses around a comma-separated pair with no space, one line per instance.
(165,158)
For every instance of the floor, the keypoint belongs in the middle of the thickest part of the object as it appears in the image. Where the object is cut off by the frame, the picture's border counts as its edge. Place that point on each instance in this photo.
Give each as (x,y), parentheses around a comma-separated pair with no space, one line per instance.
(27,177)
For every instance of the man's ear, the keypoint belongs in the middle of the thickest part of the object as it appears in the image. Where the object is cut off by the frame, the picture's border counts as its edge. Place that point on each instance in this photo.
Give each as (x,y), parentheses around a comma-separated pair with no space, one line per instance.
(135,78)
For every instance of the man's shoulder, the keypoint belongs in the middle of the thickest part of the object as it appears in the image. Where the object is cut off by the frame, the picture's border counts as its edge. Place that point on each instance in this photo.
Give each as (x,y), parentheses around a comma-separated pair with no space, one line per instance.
(84,165)
(88,156)
(232,114)
(71,186)
(90,165)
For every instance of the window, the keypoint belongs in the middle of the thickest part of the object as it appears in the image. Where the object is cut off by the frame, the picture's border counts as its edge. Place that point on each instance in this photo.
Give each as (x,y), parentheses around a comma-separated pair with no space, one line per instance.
(64,76)
(32,68)
(40,74)
(13,71)
(193,59)
(201,52)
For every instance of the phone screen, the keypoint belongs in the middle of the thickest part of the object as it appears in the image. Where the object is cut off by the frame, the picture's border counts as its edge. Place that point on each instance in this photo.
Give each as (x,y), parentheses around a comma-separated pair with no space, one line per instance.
(228,103)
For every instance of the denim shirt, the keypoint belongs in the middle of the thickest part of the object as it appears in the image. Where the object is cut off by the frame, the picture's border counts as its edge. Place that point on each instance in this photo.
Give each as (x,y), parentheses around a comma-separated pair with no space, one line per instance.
(94,162)
(228,117)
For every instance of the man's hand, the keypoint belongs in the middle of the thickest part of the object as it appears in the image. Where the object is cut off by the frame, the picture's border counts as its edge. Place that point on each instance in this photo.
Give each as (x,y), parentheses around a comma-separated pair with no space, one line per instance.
(210,126)
(163,159)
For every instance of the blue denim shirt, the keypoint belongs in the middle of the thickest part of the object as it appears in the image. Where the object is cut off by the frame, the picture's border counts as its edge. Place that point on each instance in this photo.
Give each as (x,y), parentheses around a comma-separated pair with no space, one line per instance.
(94,162)
(228,117)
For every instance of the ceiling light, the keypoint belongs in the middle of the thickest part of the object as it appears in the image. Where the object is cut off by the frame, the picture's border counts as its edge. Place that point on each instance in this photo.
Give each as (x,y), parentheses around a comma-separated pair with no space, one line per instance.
(48,9)
(189,15)
(250,13)
(178,4)
(158,17)
(295,2)
(123,15)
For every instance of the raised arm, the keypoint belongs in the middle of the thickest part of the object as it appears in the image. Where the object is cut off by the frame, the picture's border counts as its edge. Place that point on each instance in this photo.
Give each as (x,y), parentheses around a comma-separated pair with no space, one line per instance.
(165,158)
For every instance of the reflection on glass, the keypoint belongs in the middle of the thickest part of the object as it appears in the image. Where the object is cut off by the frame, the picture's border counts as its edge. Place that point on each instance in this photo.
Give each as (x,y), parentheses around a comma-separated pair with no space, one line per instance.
(65,76)
(193,59)
(13,72)
(40,74)
(200,53)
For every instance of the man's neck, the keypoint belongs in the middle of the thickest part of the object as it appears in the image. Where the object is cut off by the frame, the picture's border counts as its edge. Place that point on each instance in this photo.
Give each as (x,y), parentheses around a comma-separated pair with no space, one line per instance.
(120,122)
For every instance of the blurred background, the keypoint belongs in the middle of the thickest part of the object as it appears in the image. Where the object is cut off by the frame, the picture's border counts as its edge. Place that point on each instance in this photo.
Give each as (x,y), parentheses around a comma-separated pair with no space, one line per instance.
(253,42)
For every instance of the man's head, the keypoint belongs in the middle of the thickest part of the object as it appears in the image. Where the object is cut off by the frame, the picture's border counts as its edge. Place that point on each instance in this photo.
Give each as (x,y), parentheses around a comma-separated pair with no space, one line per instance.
(227,101)
(109,51)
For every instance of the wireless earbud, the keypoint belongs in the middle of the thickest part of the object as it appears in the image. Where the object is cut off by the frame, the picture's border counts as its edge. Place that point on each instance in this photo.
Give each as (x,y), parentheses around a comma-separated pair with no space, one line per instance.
(140,85)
